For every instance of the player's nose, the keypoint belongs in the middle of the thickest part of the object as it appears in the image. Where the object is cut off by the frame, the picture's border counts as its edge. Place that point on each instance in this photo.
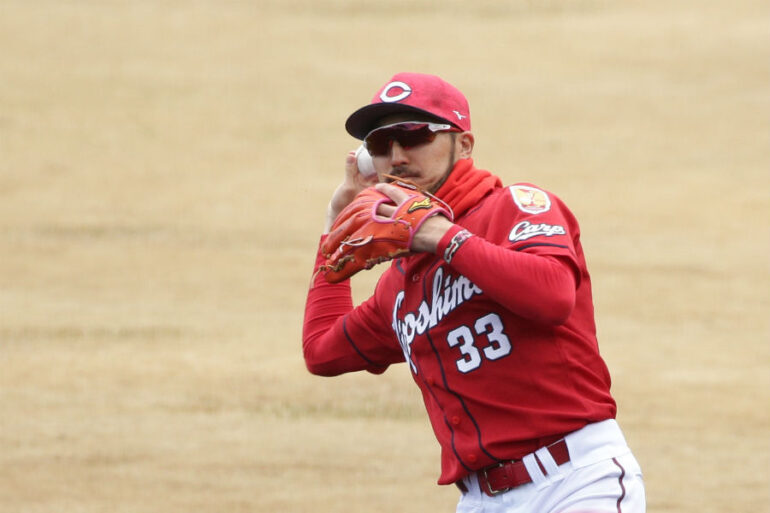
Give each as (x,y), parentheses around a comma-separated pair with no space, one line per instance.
(398,155)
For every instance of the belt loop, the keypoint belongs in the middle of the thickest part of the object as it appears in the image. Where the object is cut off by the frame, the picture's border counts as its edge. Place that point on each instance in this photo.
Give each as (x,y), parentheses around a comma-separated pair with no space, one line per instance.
(544,455)
(538,478)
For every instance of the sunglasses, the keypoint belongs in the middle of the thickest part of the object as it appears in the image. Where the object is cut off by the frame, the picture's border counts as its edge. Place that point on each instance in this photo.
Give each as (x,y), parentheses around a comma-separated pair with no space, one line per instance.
(408,135)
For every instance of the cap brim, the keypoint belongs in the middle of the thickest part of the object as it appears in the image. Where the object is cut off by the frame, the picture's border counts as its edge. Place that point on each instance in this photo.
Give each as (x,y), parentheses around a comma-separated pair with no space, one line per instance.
(363,121)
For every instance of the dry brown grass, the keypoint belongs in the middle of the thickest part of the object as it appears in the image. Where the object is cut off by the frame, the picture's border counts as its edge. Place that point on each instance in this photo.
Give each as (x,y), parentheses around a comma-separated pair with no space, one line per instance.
(164,168)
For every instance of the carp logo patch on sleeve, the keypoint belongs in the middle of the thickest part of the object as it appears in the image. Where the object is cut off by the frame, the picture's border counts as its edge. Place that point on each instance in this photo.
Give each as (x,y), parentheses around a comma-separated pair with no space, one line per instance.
(530,199)
(526,230)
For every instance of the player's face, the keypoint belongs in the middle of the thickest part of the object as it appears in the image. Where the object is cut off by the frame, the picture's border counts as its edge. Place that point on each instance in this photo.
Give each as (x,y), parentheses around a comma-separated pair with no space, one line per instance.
(425,155)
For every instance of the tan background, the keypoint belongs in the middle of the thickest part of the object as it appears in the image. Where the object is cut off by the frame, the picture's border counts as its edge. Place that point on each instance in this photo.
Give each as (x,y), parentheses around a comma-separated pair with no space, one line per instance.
(164,169)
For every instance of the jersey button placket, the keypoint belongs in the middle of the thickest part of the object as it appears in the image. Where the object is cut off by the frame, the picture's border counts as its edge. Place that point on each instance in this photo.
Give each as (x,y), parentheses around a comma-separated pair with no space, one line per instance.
(415,278)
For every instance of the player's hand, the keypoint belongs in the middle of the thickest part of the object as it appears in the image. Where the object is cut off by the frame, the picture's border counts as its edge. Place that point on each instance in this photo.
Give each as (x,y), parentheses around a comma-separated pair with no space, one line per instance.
(353,183)
(429,234)
(366,233)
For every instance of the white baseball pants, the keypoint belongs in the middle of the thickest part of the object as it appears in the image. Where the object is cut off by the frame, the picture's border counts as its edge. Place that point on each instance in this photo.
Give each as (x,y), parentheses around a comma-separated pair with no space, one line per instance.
(602,476)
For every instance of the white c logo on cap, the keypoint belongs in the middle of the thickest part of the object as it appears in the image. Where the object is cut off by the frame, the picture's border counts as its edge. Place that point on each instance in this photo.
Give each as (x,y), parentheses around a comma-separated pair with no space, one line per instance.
(405,91)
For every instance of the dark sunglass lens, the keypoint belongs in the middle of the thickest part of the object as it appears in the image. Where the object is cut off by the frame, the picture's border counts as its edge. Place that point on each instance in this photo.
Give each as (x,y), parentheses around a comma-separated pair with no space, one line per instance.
(407,135)
(378,144)
(415,137)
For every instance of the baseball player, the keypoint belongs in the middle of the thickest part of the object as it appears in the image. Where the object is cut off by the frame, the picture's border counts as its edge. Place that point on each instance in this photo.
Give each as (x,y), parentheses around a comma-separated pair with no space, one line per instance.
(488,303)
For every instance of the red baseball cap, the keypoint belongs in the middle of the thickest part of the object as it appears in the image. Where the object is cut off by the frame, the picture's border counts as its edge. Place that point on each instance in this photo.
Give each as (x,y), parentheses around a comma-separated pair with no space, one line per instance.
(412,93)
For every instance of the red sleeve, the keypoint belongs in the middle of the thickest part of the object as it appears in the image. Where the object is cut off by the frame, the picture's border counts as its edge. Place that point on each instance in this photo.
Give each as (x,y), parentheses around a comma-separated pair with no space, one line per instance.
(336,337)
(537,287)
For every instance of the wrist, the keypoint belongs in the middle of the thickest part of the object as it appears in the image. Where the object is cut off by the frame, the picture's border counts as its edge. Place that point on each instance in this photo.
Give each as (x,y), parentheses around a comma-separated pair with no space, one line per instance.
(451,242)
(331,215)
(430,234)
(343,195)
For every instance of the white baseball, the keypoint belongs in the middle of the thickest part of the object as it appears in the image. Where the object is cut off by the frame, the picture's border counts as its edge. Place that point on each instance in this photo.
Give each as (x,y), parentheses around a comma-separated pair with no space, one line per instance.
(364,161)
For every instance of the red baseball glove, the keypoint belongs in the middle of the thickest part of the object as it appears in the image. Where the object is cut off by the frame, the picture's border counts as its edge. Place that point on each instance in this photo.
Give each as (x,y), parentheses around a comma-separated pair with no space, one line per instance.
(360,238)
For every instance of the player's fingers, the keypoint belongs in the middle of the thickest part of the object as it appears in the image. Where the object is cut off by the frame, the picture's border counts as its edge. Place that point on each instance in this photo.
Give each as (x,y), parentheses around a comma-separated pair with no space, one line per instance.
(396,194)
(386,210)
(355,175)
(351,168)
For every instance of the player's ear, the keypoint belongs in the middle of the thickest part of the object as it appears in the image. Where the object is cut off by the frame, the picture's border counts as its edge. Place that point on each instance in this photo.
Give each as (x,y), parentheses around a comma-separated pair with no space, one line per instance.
(464,145)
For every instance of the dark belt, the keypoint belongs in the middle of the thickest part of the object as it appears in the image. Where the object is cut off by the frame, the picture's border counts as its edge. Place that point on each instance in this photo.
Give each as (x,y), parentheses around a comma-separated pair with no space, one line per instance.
(506,475)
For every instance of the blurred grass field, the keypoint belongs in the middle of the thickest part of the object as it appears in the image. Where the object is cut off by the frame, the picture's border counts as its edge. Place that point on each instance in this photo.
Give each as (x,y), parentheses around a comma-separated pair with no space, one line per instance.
(164,171)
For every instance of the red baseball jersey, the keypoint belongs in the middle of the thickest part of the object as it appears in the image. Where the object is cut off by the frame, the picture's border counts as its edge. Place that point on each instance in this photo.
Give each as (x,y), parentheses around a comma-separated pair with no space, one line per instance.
(501,340)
